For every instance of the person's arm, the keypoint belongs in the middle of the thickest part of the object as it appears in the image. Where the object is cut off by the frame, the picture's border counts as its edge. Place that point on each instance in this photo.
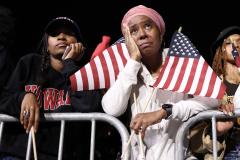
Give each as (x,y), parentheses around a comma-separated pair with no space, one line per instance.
(70,67)
(142,120)
(185,109)
(86,101)
(13,93)
(115,100)
(15,100)
(81,101)
(181,110)
(71,57)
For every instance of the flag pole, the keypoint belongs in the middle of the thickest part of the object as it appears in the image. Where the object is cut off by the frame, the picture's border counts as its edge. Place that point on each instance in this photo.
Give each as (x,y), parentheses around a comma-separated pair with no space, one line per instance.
(132,133)
(139,133)
(34,144)
(131,136)
(180,29)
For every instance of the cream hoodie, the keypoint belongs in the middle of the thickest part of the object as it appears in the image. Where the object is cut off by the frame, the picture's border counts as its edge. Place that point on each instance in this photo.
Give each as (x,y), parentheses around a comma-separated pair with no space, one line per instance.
(159,139)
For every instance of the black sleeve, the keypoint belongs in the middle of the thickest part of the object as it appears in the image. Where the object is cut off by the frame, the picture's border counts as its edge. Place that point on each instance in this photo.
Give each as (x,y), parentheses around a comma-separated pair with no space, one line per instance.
(82,101)
(13,93)
(69,68)
(87,101)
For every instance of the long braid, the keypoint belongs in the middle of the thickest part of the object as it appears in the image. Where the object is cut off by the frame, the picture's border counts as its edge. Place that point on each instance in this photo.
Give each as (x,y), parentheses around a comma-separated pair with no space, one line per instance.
(44,52)
(45,61)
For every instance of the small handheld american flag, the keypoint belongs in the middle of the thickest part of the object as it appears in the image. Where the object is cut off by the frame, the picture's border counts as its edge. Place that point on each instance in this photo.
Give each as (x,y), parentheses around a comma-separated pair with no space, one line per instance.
(236,55)
(186,71)
(101,72)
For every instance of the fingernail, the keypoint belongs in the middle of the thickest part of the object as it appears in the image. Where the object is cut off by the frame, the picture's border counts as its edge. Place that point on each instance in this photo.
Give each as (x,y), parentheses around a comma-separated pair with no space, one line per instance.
(230,113)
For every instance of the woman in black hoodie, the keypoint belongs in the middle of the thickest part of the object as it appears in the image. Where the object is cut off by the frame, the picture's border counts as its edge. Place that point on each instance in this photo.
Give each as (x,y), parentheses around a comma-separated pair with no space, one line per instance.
(39,85)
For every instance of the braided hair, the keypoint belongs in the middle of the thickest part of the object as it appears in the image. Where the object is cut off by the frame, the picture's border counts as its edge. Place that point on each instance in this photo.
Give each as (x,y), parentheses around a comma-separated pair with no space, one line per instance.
(45,60)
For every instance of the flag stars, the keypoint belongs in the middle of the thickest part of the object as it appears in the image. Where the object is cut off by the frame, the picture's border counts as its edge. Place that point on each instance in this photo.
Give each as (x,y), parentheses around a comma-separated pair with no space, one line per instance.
(182,47)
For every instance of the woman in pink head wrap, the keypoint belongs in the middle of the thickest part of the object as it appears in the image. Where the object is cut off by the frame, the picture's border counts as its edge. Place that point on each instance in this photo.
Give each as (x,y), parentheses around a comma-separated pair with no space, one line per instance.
(156,113)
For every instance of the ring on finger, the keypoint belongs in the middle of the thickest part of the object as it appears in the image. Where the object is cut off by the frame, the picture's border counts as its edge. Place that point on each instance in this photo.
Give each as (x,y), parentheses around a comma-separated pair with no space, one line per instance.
(26,114)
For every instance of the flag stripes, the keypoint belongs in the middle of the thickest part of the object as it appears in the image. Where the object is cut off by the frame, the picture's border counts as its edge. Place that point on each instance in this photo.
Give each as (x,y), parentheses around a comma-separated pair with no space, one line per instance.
(185,70)
(102,71)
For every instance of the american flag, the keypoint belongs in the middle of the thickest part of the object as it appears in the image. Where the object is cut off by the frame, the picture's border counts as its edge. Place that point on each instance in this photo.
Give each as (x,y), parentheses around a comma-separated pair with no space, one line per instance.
(236,55)
(101,72)
(186,71)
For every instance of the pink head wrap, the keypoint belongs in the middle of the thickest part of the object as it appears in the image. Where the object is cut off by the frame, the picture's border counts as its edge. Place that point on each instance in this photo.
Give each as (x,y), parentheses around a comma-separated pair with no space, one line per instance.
(149,12)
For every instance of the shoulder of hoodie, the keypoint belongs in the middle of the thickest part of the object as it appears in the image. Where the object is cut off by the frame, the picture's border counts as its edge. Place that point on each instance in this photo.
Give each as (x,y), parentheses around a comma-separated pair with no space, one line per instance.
(31,57)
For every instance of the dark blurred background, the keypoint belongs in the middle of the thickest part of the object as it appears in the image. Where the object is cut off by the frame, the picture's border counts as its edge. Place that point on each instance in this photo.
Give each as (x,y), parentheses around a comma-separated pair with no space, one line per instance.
(200,20)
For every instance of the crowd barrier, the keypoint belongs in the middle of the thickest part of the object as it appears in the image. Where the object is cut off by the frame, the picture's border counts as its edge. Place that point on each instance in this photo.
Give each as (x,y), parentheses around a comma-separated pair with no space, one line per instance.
(181,149)
(93,117)
(63,117)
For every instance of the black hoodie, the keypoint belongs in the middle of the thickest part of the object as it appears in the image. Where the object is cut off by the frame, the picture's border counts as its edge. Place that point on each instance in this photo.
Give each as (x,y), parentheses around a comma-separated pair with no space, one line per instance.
(54,96)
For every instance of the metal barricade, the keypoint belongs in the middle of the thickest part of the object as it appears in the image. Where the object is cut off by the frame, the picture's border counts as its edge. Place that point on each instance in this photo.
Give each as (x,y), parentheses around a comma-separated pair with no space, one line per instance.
(183,130)
(93,117)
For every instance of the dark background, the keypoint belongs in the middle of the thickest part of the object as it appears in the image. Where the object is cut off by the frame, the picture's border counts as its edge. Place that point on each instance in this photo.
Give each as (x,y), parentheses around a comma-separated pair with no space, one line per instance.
(200,20)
